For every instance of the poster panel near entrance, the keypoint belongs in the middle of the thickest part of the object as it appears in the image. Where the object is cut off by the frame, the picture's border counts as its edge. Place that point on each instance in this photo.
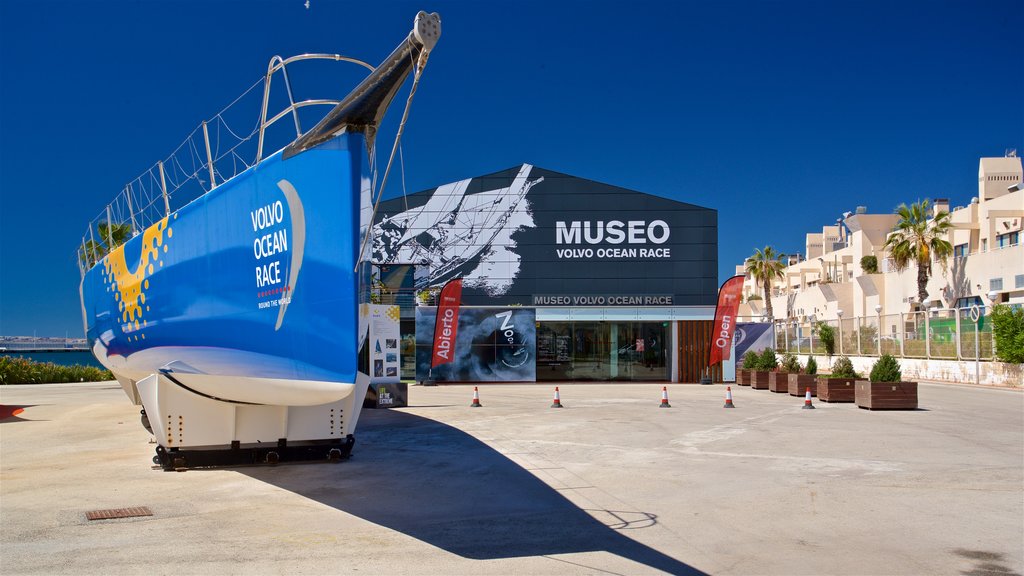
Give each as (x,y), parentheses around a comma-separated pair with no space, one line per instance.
(754,336)
(384,337)
(491,345)
(725,319)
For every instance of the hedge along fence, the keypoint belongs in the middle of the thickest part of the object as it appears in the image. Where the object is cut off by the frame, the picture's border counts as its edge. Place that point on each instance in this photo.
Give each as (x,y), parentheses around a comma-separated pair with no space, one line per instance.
(18,370)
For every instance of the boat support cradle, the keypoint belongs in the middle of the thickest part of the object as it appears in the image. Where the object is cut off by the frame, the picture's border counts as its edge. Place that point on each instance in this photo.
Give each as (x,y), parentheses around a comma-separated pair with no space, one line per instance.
(171,459)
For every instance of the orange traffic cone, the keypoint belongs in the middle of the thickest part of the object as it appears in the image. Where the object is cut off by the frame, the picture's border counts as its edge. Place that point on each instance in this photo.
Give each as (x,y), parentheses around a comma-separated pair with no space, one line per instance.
(664,398)
(728,397)
(476,399)
(807,400)
(557,402)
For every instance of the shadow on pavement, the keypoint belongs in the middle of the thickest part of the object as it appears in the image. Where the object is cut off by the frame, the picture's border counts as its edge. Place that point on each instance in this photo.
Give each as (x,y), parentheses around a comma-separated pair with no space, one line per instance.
(446,488)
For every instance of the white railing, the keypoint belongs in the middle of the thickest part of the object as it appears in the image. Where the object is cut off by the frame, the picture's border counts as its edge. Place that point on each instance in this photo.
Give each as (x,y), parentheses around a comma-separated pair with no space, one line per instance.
(941,334)
(217,150)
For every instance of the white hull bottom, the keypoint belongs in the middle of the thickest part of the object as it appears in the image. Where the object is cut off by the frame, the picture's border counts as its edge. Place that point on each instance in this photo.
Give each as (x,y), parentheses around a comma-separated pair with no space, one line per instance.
(183,419)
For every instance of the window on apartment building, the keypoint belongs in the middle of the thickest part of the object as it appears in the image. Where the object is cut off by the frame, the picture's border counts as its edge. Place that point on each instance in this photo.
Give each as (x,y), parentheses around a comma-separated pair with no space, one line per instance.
(968,301)
(1018,281)
(1005,240)
(995,284)
(960,250)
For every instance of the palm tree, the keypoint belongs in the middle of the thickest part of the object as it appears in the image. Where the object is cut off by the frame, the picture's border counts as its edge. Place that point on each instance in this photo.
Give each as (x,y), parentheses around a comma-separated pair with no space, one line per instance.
(919,239)
(119,234)
(765,267)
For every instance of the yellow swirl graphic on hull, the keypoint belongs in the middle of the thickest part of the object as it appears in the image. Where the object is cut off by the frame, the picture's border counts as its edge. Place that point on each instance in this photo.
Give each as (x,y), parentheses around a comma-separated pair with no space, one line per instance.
(129,286)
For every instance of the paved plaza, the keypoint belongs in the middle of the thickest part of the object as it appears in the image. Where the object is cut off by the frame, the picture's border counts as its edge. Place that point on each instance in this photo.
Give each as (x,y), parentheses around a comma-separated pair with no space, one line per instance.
(610,484)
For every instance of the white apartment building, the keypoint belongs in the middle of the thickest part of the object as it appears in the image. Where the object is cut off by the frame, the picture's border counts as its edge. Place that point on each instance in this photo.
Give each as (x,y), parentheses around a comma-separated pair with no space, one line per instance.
(987,265)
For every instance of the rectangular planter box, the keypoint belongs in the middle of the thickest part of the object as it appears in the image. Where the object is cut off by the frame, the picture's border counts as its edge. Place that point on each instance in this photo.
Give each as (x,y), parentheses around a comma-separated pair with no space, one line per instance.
(799,383)
(759,379)
(886,395)
(778,382)
(743,377)
(836,389)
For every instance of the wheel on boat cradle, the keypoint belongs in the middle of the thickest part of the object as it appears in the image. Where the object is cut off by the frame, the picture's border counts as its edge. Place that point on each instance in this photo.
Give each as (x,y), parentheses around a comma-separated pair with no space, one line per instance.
(179,464)
(334,455)
(161,458)
(145,421)
(273,458)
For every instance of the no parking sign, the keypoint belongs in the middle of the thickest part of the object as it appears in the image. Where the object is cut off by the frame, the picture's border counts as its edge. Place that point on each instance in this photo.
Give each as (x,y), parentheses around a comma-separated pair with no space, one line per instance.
(977,316)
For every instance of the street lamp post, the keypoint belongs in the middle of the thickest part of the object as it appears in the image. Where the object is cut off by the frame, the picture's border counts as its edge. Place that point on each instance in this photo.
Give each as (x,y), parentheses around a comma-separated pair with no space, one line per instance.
(839,313)
(992,295)
(878,313)
(810,334)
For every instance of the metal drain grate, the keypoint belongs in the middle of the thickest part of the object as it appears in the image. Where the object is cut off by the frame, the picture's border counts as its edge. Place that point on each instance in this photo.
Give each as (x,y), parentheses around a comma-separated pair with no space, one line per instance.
(133,512)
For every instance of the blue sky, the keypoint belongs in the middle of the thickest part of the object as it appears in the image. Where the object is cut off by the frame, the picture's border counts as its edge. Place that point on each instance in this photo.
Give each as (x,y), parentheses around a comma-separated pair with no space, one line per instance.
(779,114)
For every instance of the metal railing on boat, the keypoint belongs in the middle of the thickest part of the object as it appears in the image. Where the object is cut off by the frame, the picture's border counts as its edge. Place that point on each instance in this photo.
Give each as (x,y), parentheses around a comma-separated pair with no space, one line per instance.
(147,199)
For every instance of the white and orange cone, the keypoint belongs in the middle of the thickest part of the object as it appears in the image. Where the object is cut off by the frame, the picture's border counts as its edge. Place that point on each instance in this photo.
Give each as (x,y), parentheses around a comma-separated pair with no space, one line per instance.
(807,400)
(557,402)
(664,398)
(476,398)
(728,397)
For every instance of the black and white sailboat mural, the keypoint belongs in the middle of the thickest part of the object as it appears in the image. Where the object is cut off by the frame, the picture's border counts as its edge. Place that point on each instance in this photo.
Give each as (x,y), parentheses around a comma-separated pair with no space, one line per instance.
(455,235)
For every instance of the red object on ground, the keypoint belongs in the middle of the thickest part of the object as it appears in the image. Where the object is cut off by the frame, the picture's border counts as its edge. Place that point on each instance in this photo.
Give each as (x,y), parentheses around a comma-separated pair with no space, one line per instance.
(10,411)
(807,401)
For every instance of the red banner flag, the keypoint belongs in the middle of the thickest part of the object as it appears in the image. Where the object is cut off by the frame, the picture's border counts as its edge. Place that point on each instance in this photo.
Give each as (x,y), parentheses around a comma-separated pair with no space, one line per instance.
(446,324)
(725,319)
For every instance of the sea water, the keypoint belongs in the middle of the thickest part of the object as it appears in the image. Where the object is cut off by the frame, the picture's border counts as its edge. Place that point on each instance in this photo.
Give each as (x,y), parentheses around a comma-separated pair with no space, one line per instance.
(83,357)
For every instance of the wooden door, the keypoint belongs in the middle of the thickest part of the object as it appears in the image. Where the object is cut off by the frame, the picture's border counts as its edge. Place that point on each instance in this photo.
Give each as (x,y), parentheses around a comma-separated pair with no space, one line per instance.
(693,349)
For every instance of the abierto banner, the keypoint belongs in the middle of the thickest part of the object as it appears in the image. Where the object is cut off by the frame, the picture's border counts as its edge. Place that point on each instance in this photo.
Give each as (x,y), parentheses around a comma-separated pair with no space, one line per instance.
(446,324)
(725,319)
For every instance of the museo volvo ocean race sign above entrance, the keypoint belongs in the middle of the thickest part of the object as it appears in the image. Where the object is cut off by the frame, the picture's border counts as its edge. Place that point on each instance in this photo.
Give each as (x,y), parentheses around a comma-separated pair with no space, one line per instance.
(534,237)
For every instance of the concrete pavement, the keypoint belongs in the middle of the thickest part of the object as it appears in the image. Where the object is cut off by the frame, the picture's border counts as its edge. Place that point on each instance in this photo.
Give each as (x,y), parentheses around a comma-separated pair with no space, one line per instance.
(609,484)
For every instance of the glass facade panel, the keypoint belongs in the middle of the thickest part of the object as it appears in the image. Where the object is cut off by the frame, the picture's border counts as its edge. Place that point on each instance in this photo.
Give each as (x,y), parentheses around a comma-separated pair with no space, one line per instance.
(603,351)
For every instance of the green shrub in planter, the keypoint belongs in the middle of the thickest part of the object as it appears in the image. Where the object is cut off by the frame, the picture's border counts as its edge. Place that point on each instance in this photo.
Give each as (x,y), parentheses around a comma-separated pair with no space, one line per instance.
(768,360)
(843,368)
(812,366)
(751,360)
(886,369)
(790,363)
(827,337)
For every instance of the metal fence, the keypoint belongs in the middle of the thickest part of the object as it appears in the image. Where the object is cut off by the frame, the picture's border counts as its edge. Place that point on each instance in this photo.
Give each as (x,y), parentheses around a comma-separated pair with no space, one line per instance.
(942,334)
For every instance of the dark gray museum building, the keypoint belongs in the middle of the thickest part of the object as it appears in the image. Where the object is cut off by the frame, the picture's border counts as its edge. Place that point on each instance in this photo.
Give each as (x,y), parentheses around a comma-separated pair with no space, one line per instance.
(563,278)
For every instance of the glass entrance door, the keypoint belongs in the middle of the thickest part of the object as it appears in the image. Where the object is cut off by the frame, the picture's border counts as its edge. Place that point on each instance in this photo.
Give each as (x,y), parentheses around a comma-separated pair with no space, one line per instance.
(627,351)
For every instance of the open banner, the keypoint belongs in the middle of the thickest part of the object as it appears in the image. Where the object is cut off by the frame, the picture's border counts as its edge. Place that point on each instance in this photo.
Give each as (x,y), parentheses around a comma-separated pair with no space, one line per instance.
(725,319)
(446,325)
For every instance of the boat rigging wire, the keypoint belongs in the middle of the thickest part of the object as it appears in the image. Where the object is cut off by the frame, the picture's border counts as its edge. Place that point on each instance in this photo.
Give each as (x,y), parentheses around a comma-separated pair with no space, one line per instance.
(420,65)
(401,163)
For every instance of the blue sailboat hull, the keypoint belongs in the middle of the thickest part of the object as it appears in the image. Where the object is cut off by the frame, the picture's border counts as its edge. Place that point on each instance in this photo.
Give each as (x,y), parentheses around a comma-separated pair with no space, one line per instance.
(256,278)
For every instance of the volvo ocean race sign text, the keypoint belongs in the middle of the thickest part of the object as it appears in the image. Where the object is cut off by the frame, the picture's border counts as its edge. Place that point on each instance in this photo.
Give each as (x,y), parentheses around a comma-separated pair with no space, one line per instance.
(613,239)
